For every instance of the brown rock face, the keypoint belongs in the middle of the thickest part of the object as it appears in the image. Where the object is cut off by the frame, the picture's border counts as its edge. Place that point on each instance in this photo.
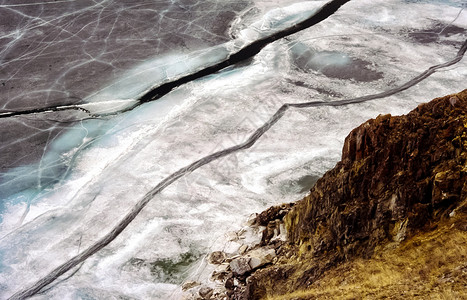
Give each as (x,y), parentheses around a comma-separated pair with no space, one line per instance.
(397,175)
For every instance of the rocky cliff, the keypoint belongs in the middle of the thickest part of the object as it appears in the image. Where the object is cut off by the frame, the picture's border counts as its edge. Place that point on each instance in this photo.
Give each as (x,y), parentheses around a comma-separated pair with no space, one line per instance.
(389,220)
(399,177)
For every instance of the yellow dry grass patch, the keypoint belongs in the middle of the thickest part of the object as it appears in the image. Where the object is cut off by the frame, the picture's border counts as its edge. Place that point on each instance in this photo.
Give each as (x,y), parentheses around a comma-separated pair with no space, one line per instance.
(430,265)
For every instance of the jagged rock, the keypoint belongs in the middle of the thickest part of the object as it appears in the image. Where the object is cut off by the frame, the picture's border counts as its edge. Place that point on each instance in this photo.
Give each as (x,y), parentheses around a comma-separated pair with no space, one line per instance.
(232,236)
(252,260)
(274,231)
(220,294)
(251,220)
(189,285)
(273,213)
(268,233)
(205,292)
(217,257)
(230,283)
(260,257)
(221,272)
(240,266)
(242,249)
(281,234)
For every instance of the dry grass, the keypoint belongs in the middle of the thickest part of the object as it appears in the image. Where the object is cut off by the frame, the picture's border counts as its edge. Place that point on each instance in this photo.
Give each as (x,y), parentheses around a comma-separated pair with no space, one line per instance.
(431,265)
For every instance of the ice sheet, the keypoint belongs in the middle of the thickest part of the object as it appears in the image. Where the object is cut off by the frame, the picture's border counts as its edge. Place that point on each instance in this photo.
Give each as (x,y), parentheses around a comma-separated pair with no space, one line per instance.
(365,48)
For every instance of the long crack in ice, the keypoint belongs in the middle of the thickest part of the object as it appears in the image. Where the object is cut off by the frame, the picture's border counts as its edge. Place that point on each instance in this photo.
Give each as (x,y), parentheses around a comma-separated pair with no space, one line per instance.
(246,50)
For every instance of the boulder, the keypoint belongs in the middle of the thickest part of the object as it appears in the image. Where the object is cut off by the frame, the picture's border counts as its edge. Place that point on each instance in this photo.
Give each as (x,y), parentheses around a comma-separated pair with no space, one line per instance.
(205,292)
(217,257)
(189,285)
(252,260)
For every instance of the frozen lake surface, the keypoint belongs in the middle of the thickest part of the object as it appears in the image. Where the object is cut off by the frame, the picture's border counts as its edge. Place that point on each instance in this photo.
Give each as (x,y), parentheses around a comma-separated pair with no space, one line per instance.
(82,144)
